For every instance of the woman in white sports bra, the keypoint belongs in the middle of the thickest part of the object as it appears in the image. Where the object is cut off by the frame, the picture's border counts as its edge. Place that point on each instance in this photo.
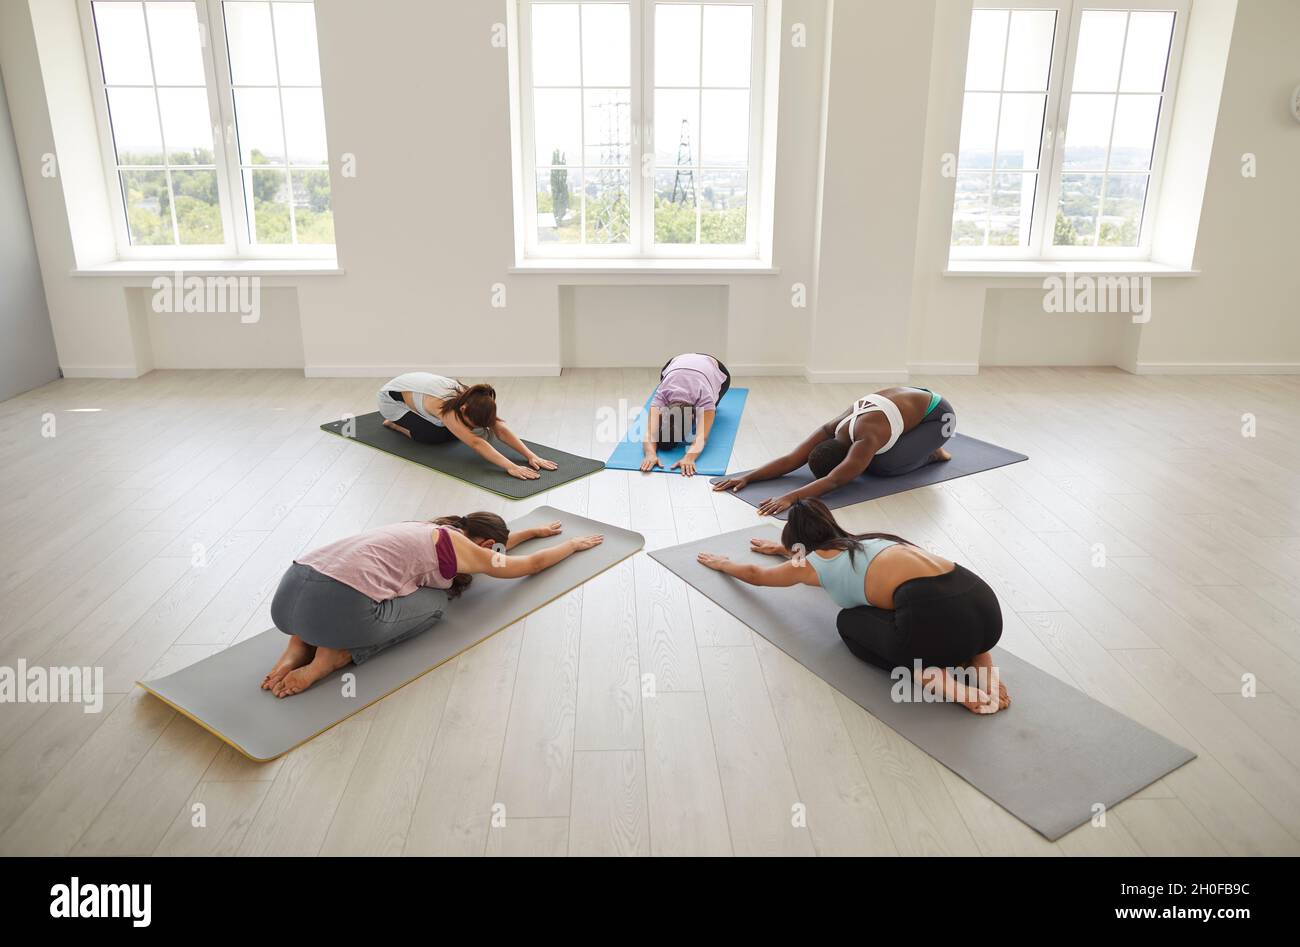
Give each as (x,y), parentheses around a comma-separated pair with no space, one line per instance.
(890,432)
(434,409)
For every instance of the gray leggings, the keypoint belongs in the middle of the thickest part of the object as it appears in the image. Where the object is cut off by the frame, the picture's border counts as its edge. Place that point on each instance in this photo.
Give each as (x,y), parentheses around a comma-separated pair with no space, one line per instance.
(913,449)
(327,613)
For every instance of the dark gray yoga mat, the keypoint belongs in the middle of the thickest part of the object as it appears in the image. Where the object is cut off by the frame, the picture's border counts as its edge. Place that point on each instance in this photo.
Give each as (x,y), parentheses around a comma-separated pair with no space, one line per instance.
(1047,759)
(458,460)
(969,456)
(222,693)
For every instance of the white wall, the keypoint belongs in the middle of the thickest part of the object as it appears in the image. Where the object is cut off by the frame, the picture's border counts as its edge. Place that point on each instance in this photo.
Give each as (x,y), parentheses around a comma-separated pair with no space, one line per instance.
(27,358)
(417,92)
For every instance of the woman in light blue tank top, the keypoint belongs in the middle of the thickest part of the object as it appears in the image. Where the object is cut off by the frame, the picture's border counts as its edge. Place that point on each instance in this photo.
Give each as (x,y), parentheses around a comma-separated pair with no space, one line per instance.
(934,620)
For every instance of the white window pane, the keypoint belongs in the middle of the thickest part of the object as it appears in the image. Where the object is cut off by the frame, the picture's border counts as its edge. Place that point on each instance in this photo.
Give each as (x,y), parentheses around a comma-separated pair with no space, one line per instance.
(728,35)
(971,209)
(609,207)
(269,193)
(313,214)
(198,208)
(1087,137)
(1076,222)
(606,44)
(559,205)
(723,207)
(724,127)
(123,43)
(677,119)
(557,123)
(186,125)
(250,42)
(979,129)
(1013,209)
(1029,50)
(675,215)
(136,134)
(261,137)
(556,54)
(988,44)
(1122,209)
(677,44)
(295,43)
(1020,131)
(174,39)
(1134,141)
(1146,56)
(304,126)
(148,208)
(1101,48)
(607,123)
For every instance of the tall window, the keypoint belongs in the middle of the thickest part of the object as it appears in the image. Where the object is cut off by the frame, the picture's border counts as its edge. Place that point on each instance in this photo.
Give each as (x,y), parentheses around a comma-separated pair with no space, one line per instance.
(213,126)
(1063,128)
(641,127)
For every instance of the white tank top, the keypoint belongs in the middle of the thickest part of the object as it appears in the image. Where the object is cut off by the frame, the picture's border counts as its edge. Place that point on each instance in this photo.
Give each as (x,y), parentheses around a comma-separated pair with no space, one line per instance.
(869,404)
(420,383)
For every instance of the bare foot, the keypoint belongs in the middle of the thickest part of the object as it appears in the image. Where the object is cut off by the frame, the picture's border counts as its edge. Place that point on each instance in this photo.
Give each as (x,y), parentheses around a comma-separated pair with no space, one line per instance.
(394,426)
(939,456)
(976,701)
(326,662)
(295,655)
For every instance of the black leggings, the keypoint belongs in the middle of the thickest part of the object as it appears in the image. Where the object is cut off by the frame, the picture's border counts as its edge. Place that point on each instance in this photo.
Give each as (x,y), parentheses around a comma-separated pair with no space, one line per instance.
(726,381)
(422,429)
(912,450)
(942,621)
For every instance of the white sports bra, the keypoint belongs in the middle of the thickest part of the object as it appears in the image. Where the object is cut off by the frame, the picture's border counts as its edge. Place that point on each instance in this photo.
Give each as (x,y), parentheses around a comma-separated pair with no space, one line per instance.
(869,404)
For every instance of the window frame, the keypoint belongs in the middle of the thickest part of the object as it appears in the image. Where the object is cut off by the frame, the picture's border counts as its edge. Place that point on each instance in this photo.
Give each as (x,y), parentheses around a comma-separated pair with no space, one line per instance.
(240,242)
(1042,247)
(642,161)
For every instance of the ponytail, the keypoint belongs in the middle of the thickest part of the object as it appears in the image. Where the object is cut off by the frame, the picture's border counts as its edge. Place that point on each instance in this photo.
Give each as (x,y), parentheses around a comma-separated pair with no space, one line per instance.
(812,525)
(475,406)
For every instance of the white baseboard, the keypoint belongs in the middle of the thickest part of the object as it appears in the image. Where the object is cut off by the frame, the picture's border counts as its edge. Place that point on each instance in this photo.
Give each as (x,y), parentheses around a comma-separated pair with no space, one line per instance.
(1218,368)
(454,371)
(944,368)
(764,370)
(100,371)
(868,376)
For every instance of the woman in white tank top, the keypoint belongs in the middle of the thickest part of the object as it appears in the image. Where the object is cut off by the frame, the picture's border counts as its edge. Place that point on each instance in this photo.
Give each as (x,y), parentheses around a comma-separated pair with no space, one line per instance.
(887,433)
(434,409)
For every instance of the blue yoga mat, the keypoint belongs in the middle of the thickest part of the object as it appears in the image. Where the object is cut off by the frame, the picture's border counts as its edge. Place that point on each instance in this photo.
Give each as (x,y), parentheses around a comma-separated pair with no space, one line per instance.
(717,453)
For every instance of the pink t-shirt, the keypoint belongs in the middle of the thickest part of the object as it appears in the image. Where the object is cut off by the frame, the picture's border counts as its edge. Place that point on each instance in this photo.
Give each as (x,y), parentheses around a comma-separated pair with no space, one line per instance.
(390,561)
(692,379)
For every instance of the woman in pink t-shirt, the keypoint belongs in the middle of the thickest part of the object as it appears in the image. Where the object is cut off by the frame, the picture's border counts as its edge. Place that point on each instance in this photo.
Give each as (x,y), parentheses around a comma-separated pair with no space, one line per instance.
(683,408)
(346,602)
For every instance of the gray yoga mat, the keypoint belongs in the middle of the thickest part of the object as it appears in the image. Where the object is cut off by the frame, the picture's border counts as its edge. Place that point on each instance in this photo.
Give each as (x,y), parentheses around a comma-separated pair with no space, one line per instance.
(222,693)
(969,455)
(1047,759)
(458,460)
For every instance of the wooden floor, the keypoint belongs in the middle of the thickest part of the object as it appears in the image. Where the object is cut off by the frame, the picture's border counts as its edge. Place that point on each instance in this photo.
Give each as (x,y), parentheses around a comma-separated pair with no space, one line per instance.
(1148,553)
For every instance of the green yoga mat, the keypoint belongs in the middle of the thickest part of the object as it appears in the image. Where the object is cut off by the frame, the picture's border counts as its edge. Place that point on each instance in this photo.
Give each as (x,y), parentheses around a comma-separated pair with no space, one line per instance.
(458,460)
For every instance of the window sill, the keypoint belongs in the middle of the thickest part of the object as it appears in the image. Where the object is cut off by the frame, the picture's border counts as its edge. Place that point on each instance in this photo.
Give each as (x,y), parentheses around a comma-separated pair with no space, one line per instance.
(1041,269)
(152,268)
(666,267)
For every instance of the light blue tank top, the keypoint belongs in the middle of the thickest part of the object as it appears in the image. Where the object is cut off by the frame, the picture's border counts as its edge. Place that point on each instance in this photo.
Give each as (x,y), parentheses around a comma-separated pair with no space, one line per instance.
(846,581)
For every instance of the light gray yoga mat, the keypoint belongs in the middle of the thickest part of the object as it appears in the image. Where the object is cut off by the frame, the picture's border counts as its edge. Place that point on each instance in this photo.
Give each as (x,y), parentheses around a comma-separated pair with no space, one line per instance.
(1047,759)
(969,456)
(223,693)
(459,460)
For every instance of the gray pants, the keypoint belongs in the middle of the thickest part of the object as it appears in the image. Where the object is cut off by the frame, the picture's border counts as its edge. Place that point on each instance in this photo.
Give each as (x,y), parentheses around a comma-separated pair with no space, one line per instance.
(912,450)
(327,613)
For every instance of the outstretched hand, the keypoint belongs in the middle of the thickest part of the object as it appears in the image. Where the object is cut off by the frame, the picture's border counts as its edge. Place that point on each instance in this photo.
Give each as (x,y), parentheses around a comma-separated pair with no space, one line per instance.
(774,506)
(550,529)
(541,463)
(734,484)
(712,561)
